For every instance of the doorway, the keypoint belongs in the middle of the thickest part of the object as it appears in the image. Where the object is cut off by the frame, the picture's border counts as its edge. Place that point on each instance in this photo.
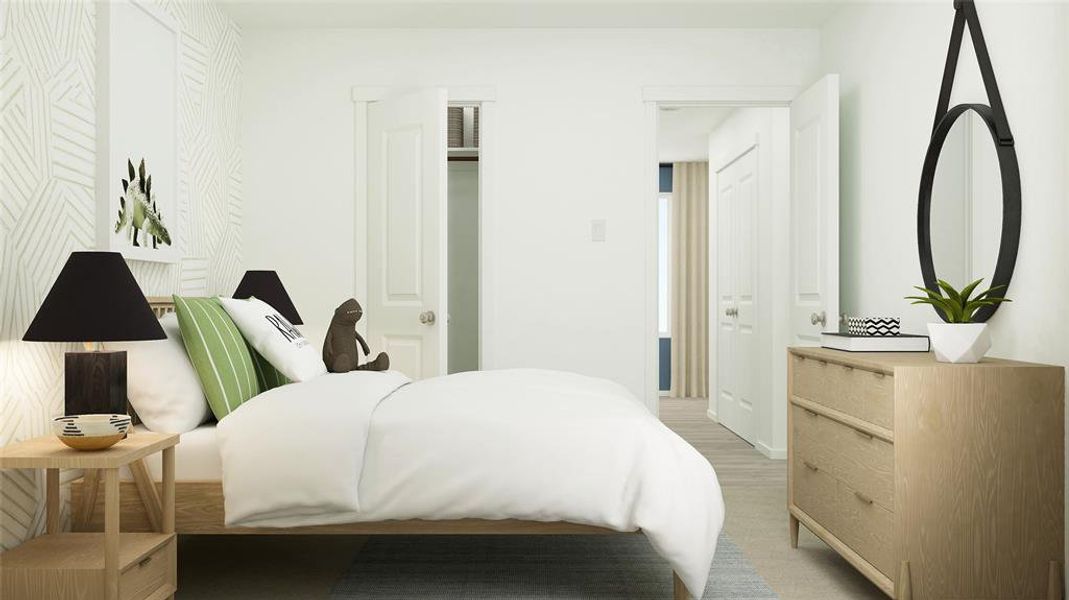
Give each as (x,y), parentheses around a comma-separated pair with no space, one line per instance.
(463,234)
(770,156)
(723,162)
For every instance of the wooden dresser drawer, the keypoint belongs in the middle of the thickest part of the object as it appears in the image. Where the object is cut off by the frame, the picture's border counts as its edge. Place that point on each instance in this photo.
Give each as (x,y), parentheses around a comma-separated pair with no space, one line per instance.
(157,569)
(814,492)
(860,393)
(861,524)
(862,461)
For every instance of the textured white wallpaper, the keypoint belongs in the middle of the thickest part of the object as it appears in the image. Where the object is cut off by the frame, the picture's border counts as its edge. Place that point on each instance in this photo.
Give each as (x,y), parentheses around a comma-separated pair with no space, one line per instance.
(47,205)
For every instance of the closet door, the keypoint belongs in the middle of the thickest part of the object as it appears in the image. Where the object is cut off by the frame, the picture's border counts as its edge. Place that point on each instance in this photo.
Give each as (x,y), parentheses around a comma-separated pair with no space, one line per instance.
(736,198)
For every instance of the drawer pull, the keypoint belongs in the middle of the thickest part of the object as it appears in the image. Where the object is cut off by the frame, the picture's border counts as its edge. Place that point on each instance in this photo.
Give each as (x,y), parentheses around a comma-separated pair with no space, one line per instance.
(811,413)
(144,561)
(810,466)
(864,434)
(863,498)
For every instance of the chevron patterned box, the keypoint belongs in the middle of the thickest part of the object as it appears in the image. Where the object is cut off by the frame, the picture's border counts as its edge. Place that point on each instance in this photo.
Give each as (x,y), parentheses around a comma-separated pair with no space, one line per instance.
(874,326)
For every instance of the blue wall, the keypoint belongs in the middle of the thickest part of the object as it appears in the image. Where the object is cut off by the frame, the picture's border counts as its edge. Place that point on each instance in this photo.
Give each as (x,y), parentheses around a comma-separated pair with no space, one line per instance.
(665,173)
(666,364)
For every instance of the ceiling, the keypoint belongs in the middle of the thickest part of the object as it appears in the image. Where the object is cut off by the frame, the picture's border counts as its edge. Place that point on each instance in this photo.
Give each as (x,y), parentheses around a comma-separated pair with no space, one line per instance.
(447,14)
(683,133)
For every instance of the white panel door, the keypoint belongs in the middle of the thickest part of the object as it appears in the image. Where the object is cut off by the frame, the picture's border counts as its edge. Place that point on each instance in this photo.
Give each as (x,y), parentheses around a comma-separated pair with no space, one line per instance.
(736,198)
(407,179)
(815,211)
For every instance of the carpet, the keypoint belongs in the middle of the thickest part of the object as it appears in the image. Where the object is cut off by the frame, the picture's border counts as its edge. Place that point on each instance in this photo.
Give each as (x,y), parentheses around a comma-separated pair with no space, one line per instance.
(597,567)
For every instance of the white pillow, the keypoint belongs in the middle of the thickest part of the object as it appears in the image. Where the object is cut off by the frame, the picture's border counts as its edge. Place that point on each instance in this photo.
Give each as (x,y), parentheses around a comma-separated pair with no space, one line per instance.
(161,383)
(279,342)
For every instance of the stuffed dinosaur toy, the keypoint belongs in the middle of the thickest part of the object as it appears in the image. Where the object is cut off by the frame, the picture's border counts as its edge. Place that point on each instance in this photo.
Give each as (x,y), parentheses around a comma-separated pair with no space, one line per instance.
(339,349)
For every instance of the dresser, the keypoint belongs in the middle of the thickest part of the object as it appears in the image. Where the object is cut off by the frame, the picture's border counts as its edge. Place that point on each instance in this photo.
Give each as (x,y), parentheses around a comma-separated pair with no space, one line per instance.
(934,480)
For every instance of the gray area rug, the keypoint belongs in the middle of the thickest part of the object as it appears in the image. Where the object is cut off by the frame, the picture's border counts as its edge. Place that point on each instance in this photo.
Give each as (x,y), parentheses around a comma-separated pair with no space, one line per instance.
(528,567)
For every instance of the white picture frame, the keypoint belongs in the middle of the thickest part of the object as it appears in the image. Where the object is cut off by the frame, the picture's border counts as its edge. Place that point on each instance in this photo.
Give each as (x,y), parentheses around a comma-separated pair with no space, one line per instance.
(138,49)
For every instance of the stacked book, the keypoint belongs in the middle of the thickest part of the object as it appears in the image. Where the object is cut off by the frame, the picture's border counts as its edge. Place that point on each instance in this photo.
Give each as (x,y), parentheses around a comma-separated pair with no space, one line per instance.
(874,334)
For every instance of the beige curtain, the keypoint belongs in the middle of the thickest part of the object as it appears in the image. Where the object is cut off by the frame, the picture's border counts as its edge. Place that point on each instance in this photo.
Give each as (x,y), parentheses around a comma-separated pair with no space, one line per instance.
(689,281)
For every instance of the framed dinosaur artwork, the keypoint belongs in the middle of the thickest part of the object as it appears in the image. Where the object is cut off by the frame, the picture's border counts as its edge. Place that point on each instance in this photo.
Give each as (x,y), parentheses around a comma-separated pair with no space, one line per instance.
(138,209)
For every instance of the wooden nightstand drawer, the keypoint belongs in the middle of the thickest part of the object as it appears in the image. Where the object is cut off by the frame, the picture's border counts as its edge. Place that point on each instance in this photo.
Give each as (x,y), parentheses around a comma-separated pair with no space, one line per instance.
(157,570)
(859,459)
(71,565)
(866,395)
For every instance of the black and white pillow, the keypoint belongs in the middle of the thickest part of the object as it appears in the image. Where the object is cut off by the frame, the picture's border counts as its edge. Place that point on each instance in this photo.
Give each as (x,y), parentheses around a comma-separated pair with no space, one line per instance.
(275,338)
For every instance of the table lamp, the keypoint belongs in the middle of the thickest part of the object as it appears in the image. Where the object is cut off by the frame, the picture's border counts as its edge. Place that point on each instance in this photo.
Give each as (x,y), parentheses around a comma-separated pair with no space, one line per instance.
(95,299)
(266,286)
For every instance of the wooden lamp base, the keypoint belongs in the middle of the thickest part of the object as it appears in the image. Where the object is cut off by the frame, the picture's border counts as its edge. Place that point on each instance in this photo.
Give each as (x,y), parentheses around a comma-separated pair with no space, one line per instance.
(95,383)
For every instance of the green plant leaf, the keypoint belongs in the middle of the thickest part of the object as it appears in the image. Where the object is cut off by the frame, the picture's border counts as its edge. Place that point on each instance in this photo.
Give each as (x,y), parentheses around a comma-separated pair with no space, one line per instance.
(967,291)
(936,293)
(130,168)
(950,291)
(987,293)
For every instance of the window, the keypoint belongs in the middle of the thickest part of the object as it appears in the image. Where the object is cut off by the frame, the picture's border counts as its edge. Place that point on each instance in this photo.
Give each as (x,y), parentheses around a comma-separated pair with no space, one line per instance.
(664,228)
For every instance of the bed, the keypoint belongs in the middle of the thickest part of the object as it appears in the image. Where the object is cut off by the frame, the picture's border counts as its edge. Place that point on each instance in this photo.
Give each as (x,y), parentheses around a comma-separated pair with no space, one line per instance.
(433,454)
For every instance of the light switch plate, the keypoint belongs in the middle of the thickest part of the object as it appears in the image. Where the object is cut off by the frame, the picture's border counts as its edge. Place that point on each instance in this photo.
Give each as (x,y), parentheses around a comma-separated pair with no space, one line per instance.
(597,230)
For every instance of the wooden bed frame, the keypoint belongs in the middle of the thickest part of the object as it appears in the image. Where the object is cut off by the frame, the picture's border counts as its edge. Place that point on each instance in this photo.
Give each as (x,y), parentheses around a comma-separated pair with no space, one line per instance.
(199,509)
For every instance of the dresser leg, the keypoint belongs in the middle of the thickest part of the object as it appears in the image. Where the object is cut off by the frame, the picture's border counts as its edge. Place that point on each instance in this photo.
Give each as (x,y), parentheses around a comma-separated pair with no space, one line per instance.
(794,529)
(679,591)
(1054,581)
(904,587)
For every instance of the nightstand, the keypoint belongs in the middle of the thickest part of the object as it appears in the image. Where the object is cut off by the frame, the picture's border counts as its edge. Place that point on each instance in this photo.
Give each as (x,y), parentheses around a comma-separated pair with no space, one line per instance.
(131,566)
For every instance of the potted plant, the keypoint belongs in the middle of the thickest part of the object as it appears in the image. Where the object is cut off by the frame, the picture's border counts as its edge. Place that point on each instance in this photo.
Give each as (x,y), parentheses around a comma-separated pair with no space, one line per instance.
(959,339)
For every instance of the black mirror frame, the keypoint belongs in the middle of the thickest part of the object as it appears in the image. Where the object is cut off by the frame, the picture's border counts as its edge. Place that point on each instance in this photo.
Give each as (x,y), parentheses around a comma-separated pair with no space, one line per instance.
(994,117)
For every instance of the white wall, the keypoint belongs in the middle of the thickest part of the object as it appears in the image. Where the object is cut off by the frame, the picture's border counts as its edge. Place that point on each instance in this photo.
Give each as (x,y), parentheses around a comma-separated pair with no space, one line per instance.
(890,84)
(767,130)
(891,62)
(570,149)
(683,132)
(48,209)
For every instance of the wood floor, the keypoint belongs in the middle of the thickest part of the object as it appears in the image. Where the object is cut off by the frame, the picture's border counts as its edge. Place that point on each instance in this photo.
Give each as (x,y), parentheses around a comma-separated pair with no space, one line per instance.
(755,491)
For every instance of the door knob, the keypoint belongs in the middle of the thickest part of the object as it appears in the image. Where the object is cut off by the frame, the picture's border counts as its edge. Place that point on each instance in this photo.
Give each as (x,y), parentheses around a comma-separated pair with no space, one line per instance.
(427,317)
(821,319)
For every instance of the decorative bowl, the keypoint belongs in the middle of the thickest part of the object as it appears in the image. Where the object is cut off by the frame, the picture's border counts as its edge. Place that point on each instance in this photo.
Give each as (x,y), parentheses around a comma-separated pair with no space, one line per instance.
(91,432)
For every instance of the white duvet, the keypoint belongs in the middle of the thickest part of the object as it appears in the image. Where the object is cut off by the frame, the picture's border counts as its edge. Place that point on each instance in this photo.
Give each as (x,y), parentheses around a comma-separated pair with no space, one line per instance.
(520,444)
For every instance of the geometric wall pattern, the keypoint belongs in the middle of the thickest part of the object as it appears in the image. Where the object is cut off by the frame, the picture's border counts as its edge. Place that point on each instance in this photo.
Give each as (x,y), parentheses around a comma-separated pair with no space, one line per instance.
(48,206)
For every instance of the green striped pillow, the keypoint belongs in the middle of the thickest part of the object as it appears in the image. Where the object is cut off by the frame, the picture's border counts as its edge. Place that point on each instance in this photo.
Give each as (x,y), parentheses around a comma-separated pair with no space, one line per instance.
(266,373)
(218,353)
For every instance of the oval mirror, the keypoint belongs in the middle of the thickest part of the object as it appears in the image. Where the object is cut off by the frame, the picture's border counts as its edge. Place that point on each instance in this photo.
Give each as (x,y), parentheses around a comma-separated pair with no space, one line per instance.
(969,217)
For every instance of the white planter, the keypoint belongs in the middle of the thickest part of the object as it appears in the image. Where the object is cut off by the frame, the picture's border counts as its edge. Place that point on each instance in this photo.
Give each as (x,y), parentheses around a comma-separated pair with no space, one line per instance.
(959,342)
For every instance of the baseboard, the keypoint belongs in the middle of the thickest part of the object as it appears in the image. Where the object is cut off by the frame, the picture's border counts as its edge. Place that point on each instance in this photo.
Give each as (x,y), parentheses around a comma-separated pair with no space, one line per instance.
(773,453)
(712,415)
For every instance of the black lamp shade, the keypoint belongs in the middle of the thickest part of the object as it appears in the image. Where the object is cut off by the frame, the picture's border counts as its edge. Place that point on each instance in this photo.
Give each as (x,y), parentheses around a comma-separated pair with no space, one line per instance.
(266,286)
(94,299)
